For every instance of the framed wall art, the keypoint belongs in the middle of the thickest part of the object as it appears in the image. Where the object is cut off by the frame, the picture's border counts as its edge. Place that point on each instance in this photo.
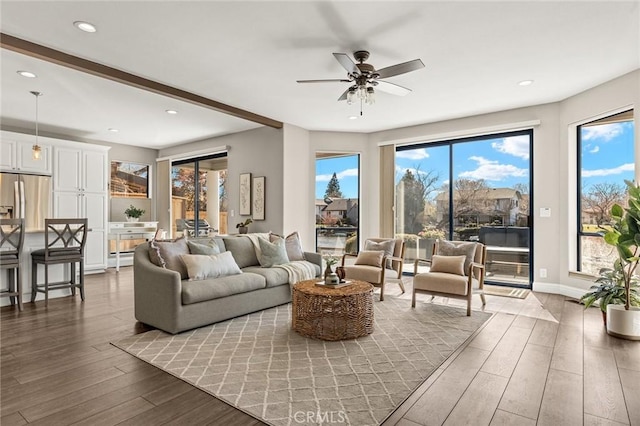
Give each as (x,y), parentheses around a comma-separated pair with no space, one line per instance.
(258,197)
(245,194)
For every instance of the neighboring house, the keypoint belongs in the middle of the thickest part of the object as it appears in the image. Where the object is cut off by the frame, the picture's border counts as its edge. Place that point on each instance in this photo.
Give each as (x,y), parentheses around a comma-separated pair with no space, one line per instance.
(319,207)
(484,206)
(341,209)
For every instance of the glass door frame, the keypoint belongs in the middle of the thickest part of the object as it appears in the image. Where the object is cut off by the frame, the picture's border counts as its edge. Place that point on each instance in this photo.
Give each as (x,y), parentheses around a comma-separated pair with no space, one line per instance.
(451,143)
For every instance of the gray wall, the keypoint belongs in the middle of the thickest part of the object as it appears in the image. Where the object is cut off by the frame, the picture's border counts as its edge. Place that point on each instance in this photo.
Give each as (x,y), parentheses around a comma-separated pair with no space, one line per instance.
(259,152)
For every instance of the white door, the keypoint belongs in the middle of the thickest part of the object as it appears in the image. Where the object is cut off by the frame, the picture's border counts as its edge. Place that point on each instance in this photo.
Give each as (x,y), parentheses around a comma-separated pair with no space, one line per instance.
(67,166)
(95,250)
(94,172)
(26,163)
(8,155)
(66,204)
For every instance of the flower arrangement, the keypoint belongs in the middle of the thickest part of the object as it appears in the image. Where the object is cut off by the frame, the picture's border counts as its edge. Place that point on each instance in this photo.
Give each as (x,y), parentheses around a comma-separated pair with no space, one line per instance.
(245,223)
(330,259)
(133,212)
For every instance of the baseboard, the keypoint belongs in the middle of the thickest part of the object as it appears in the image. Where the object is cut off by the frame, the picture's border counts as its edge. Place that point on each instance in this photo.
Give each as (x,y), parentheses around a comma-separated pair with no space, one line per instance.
(562,289)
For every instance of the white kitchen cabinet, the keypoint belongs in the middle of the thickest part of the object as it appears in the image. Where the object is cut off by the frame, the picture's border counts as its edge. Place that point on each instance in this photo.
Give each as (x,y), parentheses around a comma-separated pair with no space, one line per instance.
(16,155)
(80,190)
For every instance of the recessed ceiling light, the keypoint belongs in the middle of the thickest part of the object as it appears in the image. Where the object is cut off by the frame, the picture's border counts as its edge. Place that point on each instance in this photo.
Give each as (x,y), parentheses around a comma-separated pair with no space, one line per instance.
(111,129)
(27,74)
(353,117)
(171,111)
(525,82)
(85,26)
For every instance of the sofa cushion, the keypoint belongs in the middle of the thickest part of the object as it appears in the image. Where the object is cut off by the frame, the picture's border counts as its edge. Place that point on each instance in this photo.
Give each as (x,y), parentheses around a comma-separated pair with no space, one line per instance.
(166,254)
(370,257)
(274,276)
(203,246)
(242,250)
(201,266)
(447,264)
(449,248)
(215,288)
(272,254)
(293,245)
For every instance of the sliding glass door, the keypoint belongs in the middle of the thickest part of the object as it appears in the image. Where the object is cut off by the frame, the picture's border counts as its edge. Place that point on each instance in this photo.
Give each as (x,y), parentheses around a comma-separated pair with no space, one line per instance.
(198,197)
(475,189)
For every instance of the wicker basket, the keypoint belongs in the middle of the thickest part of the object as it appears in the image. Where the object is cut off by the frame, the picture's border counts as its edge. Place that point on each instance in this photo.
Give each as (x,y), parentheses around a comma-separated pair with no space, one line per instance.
(332,313)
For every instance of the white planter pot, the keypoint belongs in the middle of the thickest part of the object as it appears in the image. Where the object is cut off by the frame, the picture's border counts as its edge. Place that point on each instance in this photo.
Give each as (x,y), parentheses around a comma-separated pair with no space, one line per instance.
(622,323)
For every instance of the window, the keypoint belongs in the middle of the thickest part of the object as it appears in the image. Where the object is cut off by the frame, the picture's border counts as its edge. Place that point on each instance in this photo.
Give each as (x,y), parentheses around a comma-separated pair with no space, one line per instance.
(472,189)
(605,161)
(337,206)
(129,180)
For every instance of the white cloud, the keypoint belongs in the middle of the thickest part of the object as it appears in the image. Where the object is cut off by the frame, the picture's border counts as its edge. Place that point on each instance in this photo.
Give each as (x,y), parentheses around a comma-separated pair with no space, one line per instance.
(608,172)
(414,154)
(492,170)
(339,175)
(603,132)
(594,149)
(518,146)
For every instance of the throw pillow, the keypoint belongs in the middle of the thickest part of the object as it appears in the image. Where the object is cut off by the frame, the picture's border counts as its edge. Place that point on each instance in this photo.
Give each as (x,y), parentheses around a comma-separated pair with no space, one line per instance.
(292,244)
(447,248)
(200,266)
(166,254)
(370,257)
(448,264)
(272,253)
(386,246)
(203,247)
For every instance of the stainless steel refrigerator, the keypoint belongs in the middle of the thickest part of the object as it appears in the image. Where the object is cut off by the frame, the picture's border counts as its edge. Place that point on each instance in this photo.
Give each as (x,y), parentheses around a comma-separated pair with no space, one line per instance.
(25,196)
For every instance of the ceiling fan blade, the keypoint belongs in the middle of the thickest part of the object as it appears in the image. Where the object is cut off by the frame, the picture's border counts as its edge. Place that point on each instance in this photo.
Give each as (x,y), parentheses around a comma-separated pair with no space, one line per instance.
(391,88)
(347,63)
(334,80)
(343,97)
(402,68)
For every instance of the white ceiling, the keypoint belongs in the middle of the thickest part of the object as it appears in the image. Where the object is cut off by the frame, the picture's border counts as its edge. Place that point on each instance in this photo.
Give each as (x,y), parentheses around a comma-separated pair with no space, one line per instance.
(250,54)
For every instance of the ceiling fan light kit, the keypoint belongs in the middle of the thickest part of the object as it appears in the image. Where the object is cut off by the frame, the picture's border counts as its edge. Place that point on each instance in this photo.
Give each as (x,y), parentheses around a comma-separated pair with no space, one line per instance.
(364,77)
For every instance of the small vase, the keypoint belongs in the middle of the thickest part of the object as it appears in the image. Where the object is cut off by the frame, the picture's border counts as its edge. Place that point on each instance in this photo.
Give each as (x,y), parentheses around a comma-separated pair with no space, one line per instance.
(340,272)
(132,219)
(243,229)
(327,271)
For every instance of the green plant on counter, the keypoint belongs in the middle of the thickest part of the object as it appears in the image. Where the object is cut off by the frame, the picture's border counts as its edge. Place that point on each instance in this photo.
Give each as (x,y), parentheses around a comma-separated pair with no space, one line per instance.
(133,212)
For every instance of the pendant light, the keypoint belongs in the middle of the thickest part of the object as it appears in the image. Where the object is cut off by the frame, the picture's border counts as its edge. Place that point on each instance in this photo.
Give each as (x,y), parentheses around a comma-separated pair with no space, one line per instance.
(36,149)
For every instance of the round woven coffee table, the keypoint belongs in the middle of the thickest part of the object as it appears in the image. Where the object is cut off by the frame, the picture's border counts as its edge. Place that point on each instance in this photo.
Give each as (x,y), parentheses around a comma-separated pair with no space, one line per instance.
(332,313)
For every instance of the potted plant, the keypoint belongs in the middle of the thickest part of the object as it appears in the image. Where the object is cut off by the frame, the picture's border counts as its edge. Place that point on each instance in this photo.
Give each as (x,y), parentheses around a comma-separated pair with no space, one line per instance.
(624,234)
(133,214)
(609,289)
(243,227)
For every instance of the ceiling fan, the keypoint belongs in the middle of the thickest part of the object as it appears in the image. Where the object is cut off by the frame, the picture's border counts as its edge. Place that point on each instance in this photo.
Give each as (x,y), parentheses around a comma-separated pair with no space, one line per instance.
(364,77)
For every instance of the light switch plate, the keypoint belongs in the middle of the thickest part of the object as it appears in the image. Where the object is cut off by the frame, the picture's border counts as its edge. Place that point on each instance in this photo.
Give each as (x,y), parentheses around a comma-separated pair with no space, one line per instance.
(545,212)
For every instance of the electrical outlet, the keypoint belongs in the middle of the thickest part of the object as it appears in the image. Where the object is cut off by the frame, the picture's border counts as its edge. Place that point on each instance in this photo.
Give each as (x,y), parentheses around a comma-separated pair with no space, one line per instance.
(233,212)
(543,273)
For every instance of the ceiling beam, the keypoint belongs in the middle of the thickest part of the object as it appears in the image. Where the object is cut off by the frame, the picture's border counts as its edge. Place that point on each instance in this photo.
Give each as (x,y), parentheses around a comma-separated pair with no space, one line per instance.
(60,58)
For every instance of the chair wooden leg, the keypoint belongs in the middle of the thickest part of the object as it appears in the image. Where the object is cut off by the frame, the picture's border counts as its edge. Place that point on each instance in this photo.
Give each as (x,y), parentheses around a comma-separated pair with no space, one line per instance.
(82,280)
(11,285)
(382,291)
(484,302)
(413,299)
(19,288)
(72,279)
(469,306)
(34,280)
(46,285)
(401,285)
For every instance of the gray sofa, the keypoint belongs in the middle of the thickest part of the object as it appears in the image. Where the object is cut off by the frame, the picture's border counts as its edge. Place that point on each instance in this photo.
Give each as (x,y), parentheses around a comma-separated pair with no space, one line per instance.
(165,301)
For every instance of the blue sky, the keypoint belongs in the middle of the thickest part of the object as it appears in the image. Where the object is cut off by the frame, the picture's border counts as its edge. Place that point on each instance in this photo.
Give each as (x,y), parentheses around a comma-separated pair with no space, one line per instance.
(607,155)
(346,169)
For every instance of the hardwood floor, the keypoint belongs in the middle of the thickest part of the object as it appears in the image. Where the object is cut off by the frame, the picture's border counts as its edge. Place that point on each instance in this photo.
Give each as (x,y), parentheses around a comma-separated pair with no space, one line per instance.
(543,360)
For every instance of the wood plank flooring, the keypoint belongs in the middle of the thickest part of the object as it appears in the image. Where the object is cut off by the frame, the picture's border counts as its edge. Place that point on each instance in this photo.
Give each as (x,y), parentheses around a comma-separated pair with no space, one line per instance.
(543,360)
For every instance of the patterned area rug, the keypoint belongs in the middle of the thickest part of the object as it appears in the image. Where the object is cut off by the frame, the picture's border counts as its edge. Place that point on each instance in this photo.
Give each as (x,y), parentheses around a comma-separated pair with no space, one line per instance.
(259,365)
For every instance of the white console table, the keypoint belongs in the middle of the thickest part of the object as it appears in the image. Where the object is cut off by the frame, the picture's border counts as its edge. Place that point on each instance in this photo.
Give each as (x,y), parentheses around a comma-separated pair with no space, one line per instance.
(119,231)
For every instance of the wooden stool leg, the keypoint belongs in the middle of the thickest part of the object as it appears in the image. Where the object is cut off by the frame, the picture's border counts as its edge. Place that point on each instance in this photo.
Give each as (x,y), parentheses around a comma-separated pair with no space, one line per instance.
(19,288)
(34,280)
(72,279)
(46,285)
(11,285)
(82,280)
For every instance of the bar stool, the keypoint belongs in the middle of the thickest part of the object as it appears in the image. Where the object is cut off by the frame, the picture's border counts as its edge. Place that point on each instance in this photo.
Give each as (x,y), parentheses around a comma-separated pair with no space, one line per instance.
(64,241)
(11,239)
